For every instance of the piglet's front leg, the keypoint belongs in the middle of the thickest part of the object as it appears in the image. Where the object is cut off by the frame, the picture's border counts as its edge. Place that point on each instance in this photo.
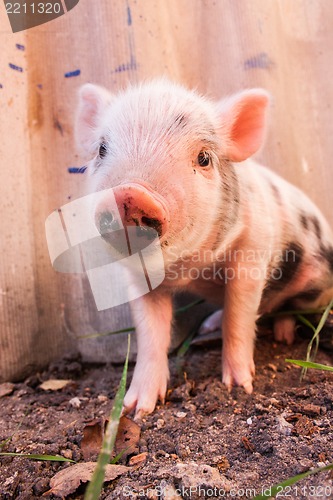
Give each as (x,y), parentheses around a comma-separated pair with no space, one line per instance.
(152,316)
(242,301)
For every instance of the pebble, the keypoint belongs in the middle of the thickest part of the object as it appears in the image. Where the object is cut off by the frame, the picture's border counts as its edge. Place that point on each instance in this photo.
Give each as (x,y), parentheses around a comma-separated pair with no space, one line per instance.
(75,402)
(102,398)
(181,414)
(284,427)
(197,477)
(67,454)
(160,423)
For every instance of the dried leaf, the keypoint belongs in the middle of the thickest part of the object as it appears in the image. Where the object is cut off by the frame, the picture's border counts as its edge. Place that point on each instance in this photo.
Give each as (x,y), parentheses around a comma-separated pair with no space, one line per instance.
(248,445)
(6,388)
(54,384)
(128,437)
(68,480)
(92,439)
(138,460)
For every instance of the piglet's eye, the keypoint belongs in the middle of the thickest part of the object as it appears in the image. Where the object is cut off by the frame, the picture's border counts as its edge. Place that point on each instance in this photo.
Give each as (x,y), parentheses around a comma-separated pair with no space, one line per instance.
(203,159)
(102,150)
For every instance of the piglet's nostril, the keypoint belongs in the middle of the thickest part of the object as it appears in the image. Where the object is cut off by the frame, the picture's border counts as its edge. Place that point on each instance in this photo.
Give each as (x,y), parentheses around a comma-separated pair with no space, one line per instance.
(153,224)
(107,223)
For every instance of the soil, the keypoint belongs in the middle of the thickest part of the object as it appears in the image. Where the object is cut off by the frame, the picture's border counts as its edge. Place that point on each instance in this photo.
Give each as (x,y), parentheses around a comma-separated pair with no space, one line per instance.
(203,437)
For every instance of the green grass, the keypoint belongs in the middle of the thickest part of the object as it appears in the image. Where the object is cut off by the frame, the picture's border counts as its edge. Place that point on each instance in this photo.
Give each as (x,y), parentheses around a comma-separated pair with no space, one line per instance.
(309,364)
(311,351)
(277,489)
(95,486)
(32,456)
(131,329)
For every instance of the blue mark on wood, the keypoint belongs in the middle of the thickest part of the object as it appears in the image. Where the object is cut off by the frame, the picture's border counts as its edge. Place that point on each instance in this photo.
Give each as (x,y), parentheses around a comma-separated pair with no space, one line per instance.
(129,16)
(77,170)
(20,47)
(259,61)
(132,64)
(16,68)
(39,85)
(70,74)
(1,86)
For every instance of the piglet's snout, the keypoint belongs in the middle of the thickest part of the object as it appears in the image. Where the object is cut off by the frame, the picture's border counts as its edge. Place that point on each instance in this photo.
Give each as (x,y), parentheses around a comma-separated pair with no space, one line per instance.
(137,206)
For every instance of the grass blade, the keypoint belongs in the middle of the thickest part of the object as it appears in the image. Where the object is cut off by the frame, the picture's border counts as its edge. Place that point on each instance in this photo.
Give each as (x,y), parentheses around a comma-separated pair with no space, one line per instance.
(306,322)
(272,491)
(96,483)
(106,334)
(309,364)
(132,328)
(31,456)
(315,337)
(189,306)
(294,312)
(6,441)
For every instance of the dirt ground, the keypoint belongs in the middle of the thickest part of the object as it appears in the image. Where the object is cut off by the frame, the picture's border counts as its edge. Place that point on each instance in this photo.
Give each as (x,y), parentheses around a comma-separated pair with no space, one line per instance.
(203,443)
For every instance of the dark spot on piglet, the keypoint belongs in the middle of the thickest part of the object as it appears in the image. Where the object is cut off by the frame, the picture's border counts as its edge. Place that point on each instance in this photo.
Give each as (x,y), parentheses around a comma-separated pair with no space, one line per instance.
(291,261)
(316,226)
(308,295)
(282,274)
(304,221)
(327,254)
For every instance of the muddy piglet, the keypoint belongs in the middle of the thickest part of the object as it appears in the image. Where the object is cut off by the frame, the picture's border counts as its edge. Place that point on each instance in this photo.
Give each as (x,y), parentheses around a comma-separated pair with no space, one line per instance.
(230,230)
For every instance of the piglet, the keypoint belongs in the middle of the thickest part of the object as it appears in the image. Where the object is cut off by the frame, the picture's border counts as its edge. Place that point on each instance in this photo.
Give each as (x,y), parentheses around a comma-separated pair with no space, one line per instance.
(230,230)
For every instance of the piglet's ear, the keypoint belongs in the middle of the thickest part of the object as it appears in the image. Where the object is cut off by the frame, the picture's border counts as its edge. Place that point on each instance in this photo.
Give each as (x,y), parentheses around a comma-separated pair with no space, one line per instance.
(243,123)
(93,100)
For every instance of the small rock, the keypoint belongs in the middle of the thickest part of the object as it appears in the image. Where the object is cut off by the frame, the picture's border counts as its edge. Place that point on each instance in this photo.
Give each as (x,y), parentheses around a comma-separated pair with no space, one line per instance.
(160,423)
(271,367)
(304,465)
(181,414)
(67,454)
(274,401)
(190,407)
(198,478)
(283,427)
(102,398)
(249,421)
(75,402)
(10,480)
